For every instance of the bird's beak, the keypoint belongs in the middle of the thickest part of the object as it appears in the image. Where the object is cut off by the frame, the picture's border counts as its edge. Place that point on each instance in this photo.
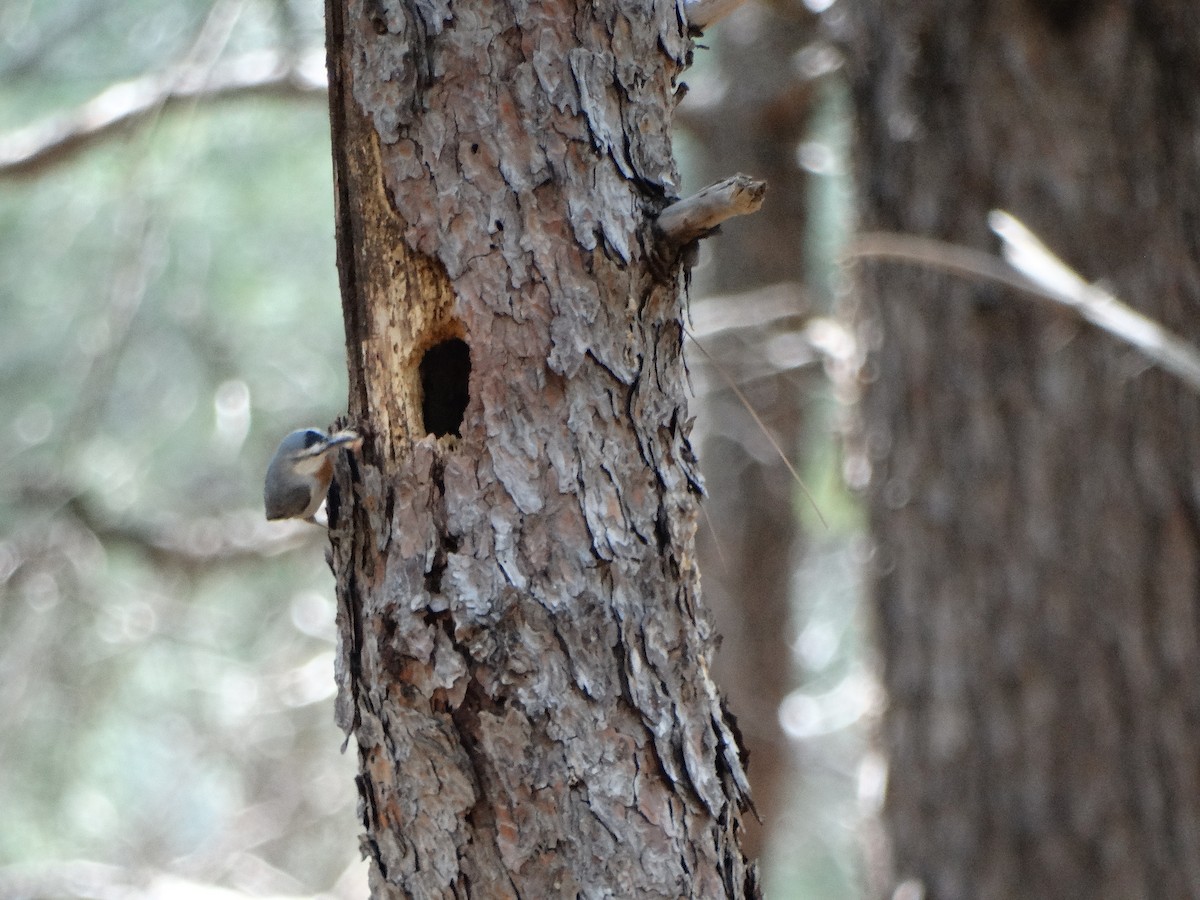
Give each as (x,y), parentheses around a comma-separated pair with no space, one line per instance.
(311,459)
(351,439)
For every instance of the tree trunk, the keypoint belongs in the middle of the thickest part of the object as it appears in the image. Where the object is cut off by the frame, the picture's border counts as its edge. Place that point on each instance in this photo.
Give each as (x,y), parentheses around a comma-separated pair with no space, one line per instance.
(523,661)
(1034,496)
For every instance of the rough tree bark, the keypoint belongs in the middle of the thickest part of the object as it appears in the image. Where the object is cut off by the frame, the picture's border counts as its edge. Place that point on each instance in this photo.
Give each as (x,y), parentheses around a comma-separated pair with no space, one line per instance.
(1034,496)
(523,662)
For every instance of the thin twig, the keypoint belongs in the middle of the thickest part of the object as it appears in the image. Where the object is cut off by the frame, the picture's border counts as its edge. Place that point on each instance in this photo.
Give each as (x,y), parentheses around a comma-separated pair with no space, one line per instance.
(937,255)
(1058,281)
(235,536)
(712,529)
(1034,270)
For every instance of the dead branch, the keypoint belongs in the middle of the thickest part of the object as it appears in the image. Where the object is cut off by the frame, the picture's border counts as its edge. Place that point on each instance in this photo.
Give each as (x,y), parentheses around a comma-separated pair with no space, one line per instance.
(30,150)
(1058,281)
(230,538)
(87,879)
(764,333)
(697,216)
(702,13)
(776,307)
(178,542)
(1032,268)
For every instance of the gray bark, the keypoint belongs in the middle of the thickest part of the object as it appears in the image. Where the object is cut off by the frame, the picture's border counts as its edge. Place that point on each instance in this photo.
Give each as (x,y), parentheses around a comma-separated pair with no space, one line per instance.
(1034,495)
(523,659)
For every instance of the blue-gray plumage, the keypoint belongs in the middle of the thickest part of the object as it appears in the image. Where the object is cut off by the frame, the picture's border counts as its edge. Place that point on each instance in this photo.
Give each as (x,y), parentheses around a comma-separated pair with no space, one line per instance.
(300,471)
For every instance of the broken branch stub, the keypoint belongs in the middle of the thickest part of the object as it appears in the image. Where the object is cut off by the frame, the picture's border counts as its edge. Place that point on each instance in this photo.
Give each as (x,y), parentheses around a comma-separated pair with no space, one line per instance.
(698,216)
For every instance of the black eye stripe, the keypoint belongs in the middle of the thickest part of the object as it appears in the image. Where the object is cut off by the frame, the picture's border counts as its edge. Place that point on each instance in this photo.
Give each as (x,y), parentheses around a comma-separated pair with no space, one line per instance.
(312,437)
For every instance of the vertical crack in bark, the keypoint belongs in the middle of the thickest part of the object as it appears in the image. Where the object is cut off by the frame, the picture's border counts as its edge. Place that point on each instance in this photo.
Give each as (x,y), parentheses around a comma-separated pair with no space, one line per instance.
(353,307)
(480,816)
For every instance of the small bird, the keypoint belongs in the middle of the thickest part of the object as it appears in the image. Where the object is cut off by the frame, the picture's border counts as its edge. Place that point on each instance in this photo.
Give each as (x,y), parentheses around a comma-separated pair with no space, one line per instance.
(300,471)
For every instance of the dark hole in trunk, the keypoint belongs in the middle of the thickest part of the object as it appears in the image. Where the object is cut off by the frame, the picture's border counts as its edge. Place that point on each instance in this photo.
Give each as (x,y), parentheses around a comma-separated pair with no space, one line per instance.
(445,377)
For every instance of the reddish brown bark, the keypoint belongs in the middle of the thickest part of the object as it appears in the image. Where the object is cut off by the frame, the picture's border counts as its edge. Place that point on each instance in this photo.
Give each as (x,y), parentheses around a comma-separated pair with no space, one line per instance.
(524,666)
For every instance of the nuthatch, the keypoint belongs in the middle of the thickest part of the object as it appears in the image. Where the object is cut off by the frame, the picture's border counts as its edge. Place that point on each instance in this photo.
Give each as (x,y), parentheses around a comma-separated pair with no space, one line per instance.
(300,471)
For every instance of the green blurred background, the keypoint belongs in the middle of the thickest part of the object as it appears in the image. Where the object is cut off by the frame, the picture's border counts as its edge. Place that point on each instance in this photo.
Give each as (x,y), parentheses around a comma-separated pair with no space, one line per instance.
(168,310)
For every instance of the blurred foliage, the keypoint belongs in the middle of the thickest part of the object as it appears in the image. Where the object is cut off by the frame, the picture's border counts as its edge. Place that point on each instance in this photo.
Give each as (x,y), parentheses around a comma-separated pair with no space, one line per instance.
(171,309)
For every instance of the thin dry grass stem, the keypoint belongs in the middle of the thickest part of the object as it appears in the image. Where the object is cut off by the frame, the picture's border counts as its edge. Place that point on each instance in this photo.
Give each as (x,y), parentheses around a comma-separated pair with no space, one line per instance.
(761,425)
(716,539)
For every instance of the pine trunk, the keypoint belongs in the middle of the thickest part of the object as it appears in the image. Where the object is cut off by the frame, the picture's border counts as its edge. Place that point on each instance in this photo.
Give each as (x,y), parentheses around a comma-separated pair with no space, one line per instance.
(523,661)
(1034,497)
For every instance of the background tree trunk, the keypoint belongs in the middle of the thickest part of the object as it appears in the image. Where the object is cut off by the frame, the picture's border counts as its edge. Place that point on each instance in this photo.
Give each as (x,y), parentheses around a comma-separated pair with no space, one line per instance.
(1034,496)
(750,114)
(523,664)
